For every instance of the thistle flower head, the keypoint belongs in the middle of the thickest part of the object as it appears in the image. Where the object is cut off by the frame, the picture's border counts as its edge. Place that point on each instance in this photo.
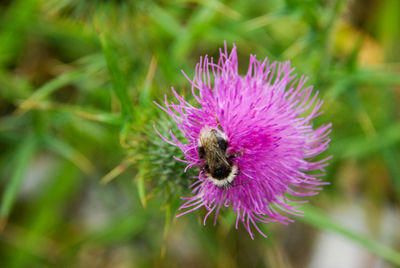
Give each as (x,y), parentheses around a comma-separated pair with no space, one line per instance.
(266,117)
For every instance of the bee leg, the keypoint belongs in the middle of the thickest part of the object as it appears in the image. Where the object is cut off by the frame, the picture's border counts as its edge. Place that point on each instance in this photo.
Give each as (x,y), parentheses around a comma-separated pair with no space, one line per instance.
(242,183)
(204,168)
(216,120)
(229,185)
(235,155)
(238,172)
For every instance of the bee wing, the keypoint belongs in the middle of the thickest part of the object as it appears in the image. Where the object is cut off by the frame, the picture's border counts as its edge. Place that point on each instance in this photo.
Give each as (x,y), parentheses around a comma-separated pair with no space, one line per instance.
(221,156)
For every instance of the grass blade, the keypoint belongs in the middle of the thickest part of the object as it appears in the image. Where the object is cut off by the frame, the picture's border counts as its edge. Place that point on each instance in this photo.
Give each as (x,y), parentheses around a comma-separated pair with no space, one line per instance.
(70,153)
(47,89)
(118,80)
(315,218)
(12,35)
(23,155)
(115,172)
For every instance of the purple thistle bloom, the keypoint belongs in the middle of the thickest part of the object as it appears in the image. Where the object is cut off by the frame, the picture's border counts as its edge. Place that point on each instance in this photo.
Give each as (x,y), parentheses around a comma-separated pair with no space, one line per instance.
(266,116)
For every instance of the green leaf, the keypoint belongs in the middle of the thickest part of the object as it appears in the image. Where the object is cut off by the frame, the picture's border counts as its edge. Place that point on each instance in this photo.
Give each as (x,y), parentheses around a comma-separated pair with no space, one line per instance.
(167,226)
(141,187)
(145,98)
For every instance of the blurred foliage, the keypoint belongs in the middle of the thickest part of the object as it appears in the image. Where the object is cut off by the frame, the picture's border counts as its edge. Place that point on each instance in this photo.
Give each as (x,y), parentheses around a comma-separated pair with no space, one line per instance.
(86,181)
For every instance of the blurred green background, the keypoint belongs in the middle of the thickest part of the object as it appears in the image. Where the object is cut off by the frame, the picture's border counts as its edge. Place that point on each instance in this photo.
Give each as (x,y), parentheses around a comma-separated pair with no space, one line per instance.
(85,181)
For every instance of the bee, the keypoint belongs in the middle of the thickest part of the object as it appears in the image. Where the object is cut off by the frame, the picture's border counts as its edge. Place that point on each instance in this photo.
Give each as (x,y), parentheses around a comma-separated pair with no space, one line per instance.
(212,147)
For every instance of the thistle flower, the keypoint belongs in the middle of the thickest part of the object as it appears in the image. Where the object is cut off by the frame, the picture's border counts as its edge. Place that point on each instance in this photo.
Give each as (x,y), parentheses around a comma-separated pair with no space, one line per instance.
(266,117)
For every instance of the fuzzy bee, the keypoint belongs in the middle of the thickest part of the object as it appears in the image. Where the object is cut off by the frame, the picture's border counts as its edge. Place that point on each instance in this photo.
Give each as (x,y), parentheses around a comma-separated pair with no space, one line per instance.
(212,147)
